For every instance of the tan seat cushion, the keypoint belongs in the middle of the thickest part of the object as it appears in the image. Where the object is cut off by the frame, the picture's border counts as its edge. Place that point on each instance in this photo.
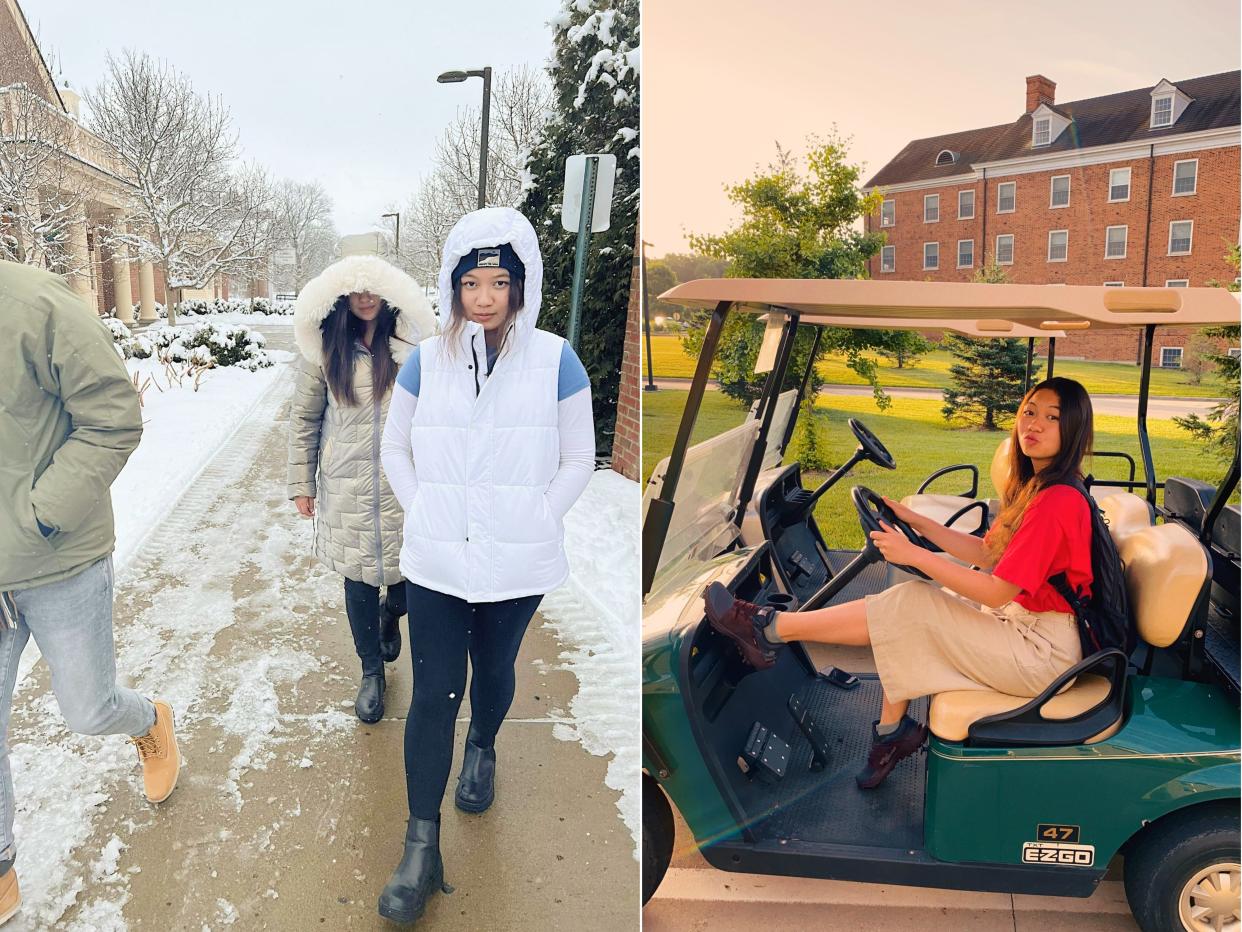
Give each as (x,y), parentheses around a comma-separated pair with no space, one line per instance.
(953,713)
(941,508)
(1166,569)
(999,471)
(1125,513)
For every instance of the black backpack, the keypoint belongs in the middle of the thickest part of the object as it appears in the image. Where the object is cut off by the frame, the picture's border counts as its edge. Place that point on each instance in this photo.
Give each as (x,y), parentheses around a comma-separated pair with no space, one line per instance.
(1104,620)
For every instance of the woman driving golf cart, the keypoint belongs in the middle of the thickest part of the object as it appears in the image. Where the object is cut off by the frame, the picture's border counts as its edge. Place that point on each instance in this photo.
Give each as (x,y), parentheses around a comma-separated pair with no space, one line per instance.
(1003,627)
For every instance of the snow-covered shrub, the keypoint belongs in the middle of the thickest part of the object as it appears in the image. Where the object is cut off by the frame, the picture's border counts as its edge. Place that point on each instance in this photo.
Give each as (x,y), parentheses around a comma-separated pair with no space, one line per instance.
(209,344)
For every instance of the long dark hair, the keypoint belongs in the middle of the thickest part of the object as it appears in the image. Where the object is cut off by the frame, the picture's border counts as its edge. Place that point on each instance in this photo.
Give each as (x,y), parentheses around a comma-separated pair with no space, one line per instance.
(341,329)
(1076,427)
(457,319)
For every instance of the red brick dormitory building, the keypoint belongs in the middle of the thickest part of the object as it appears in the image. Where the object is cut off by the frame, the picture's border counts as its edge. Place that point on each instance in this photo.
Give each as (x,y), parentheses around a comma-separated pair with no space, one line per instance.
(1135,188)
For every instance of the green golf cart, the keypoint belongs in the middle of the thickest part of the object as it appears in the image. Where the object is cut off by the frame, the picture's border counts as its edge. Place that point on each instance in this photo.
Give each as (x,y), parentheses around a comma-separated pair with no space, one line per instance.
(1135,755)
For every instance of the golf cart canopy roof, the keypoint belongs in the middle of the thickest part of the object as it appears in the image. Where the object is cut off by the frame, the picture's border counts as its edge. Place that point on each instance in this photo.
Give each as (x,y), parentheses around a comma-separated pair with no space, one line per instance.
(991,308)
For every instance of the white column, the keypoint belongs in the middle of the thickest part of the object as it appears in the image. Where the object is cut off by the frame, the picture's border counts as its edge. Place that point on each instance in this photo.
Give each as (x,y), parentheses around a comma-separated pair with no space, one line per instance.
(81,258)
(146,294)
(122,292)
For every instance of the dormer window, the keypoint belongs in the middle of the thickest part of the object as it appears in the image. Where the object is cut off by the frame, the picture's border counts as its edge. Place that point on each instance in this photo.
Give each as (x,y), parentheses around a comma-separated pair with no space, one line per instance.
(1162,112)
(946,157)
(1167,105)
(1047,125)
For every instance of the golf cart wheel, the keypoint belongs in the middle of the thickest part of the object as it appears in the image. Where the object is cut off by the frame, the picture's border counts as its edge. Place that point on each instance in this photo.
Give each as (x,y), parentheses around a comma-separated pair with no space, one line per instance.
(657,836)
(1184,873)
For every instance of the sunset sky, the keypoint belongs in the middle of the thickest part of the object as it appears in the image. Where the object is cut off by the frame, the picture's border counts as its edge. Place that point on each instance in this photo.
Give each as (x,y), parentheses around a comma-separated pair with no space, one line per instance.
(724,80)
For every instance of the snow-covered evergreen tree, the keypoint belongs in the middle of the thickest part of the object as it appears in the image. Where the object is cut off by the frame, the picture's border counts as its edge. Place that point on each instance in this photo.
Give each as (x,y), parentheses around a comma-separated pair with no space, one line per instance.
(595,78)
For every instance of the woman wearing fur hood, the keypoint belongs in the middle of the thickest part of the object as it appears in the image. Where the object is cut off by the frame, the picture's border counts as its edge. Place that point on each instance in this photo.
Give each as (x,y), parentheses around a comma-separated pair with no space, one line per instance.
(355,324)
(489,442)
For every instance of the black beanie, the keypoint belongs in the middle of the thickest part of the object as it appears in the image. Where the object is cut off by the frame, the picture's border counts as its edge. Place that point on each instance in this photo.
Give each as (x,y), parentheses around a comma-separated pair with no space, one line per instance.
(490,257)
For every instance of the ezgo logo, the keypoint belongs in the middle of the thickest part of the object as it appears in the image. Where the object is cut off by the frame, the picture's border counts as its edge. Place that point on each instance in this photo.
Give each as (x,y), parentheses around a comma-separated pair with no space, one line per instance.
(1042,852)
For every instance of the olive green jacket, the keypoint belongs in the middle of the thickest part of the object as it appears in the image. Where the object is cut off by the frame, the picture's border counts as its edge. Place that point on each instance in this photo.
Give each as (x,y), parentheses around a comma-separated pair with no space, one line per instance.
(69,419)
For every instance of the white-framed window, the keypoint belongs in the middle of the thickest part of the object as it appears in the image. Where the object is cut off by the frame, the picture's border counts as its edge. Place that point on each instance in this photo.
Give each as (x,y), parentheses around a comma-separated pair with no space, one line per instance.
(1162,111)
(1170,357)
(1043,132)
(1185,177)
(1115,242)
(931,208)
(1114,284)
(888,258)
(931,255)
(1004,249)
(1119,185)
(888,212)
(1059,191)
(1235,351)
(1181,235)
(966,205)
(1058,245)
(1177,283)
(1006,197)
(965,253)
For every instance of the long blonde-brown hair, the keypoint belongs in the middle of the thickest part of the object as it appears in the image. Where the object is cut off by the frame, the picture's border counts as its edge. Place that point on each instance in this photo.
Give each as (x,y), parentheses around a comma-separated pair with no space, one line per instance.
(1077,433)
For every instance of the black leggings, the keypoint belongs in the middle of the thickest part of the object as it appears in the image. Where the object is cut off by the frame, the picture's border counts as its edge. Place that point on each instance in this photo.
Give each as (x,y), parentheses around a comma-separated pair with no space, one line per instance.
(443,630)
(362,606)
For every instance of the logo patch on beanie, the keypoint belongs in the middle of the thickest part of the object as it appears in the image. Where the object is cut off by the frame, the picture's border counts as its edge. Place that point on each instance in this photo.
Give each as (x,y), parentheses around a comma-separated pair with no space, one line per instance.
(489,259)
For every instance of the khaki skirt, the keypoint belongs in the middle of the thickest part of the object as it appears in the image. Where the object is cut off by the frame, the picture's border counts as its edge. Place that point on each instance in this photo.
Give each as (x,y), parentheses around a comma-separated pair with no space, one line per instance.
(927,640)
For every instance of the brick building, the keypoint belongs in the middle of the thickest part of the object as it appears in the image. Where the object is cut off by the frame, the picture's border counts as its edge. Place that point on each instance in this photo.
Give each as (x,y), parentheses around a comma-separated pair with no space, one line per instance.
(1135,188)
(627,442)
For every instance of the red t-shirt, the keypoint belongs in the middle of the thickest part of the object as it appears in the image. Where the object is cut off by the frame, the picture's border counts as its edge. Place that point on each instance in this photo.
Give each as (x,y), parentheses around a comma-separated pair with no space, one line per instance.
(1054,537)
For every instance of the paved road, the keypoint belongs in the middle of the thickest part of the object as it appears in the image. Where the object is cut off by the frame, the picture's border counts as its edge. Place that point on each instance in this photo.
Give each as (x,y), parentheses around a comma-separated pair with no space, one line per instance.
(1125,405)
(290,813)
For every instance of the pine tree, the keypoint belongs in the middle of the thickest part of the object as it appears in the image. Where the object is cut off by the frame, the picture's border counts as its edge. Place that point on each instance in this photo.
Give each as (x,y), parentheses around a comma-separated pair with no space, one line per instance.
(987,379)
(595,80)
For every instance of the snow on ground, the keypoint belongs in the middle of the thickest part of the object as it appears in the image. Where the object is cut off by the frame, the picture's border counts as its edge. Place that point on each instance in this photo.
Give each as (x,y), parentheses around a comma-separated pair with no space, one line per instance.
(249,320)
(596,615)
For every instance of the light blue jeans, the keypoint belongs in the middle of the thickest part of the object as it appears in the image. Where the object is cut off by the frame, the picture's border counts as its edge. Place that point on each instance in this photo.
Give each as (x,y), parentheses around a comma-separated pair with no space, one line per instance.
(71,621)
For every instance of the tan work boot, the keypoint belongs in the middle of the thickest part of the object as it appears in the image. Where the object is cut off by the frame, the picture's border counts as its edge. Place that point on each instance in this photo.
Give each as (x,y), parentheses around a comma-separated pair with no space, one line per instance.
(157,750)
(10,896)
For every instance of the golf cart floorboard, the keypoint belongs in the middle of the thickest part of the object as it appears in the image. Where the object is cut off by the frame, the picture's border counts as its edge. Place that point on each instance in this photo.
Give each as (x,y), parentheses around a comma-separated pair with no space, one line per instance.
(872,580)
(827,806)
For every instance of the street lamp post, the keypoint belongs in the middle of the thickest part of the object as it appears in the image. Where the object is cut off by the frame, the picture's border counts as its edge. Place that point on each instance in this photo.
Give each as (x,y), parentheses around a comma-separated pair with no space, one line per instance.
(651,385)
(398,218)
(456,77)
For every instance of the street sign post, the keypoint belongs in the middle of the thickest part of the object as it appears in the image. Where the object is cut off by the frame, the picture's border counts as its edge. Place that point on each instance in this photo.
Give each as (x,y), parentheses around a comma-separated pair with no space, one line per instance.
(586,209)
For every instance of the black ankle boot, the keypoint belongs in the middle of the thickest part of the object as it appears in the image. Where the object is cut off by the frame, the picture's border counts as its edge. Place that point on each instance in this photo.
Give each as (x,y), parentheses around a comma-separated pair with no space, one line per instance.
(370,703)
(476,787)
(418,876)
(390,635)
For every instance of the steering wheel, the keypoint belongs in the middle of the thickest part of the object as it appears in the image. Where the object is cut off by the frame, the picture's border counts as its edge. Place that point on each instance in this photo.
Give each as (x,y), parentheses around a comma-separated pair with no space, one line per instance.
(872,448)
(872,509)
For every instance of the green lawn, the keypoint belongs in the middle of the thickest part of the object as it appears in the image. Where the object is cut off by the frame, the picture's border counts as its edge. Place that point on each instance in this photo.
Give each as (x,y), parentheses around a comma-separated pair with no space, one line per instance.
(932,371)
(915,433)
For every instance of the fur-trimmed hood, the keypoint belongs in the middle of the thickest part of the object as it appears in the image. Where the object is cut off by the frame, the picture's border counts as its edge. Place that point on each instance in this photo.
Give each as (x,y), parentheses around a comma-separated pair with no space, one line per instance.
(494,226)
(415,320)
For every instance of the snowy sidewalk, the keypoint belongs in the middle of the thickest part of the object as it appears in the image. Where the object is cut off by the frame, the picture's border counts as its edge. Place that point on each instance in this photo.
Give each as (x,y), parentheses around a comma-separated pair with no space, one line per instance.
(289,812)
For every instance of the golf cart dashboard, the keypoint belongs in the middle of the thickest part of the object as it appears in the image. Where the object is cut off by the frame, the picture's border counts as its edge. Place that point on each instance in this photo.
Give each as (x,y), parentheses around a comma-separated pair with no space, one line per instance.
(798,548)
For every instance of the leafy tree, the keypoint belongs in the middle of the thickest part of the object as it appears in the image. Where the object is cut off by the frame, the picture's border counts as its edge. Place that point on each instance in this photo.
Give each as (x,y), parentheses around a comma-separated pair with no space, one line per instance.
(688,266)
(660,278)
(810,445)
(905,346)
(991,274)
(1219,430)
(987,380)
(794,226)
(594,75)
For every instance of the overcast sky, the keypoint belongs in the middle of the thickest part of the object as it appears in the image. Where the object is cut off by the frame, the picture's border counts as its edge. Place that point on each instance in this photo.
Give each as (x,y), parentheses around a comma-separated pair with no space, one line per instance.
(724,79)
(345,93)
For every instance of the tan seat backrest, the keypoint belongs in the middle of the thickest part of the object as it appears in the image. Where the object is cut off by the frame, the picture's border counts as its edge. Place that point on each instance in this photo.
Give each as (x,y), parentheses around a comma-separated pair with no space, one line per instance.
(1165,571)
(1000,467)
(1125,513)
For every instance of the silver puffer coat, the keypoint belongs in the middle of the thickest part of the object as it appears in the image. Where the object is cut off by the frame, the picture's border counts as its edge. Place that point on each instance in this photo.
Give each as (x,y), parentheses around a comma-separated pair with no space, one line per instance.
(333,448)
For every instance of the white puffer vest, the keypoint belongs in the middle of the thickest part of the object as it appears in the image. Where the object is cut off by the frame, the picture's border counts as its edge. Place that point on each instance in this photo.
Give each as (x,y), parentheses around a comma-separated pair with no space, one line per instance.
(480,527)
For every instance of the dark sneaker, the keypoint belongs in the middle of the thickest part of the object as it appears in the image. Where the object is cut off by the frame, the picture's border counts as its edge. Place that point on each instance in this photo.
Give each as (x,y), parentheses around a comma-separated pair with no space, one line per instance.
(890,750)
(742,623)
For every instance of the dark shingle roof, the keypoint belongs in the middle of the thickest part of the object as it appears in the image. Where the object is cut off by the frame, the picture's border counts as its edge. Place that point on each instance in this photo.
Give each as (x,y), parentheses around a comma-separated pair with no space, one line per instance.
(1097,121)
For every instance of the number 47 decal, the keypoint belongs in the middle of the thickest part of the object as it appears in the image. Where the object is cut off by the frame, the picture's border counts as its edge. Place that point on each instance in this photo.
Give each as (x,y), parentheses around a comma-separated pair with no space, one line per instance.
(1063,833)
